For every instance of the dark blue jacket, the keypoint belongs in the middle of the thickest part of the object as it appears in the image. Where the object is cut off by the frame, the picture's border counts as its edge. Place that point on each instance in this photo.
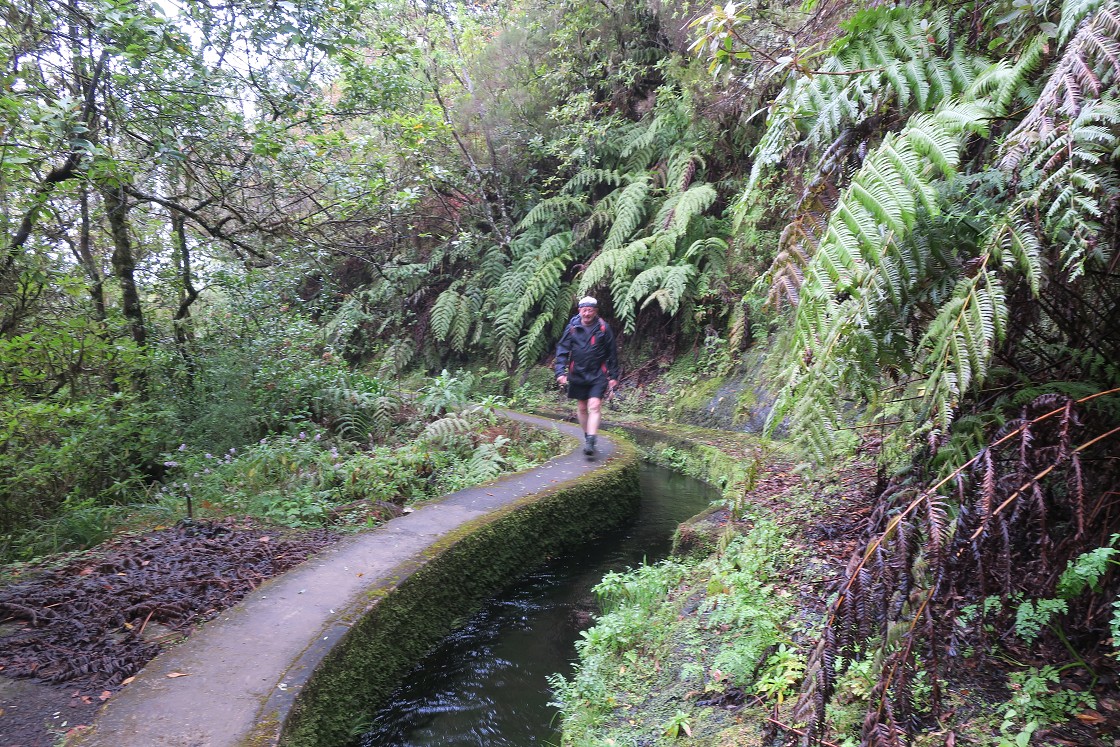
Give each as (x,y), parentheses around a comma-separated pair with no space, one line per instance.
(584,354)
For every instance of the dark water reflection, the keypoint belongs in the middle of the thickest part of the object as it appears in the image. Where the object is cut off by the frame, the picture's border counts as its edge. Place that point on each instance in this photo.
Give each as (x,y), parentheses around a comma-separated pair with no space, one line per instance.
(486,684)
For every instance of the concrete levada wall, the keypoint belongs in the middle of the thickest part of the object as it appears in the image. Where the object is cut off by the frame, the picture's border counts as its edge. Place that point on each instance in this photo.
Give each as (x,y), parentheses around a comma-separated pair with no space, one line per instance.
(399,621)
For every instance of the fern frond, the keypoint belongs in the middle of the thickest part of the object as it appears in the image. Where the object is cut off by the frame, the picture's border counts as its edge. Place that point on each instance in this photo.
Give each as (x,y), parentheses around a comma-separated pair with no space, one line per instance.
(615,264)
(957,347)
(856,282)
(396,358)
(555,211)
(638,152)
(681,170)
(680,209)
(443,312)
(592,177)
(629,214)
(1091,56)
(492,266)
(447,428)
(554,307)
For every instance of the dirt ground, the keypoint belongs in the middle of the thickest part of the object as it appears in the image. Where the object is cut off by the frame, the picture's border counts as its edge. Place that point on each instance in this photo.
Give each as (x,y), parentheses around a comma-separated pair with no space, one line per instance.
(74,632)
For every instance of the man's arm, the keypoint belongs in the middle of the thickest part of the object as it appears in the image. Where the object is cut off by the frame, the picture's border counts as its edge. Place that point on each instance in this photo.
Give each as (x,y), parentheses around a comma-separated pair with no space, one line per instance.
(563,351)
(612,358)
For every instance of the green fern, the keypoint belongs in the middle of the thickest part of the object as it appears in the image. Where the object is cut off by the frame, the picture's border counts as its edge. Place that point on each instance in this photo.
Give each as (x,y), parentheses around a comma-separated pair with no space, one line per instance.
(591,177)
(629,214)
(553,212)
(396,358)
(856,282)
(900,64)
(448,428)
(957,347)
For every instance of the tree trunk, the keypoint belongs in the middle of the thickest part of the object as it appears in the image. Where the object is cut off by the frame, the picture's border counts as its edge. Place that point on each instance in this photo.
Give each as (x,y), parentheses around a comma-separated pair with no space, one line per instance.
(182,325)
(124,263)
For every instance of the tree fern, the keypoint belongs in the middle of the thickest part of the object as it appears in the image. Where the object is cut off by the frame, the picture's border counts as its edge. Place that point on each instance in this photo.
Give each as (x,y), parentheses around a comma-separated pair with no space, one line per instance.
(956,349)
(681,169)
(1089,61)
(443,312)
(678,211)
(1074,190)
(534,282)
(643,145)
(896,60)
(554,211)
(666,284)
(642,205)
(858,277)
(629,214)
(396,358)
(592,177)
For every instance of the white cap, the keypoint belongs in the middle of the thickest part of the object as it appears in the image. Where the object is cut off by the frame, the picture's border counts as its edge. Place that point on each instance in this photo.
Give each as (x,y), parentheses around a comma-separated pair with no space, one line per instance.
(587,301)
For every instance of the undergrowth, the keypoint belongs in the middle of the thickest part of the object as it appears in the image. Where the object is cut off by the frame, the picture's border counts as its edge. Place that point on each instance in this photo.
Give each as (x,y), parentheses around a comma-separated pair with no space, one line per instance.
(676,638)
(362,456)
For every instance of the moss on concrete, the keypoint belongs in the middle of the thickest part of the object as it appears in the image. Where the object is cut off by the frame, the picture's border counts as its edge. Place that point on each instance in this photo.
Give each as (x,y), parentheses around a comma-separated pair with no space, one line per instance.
(400,623)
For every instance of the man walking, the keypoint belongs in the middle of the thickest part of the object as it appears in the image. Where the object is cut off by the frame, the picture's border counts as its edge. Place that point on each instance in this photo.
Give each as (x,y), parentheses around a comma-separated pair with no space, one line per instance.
(587,363)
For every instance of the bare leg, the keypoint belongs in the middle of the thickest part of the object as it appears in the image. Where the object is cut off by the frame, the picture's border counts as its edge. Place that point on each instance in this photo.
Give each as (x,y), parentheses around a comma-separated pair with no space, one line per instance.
(582,415)
(590,420)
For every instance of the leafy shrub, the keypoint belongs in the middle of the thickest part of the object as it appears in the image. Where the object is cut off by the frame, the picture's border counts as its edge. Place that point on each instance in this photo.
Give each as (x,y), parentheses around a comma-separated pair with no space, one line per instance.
(76,456)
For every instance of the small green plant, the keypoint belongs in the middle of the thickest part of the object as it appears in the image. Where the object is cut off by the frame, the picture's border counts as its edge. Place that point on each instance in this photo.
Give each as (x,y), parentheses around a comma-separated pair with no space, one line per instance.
(1083,572)
(446,393)
(678,723)
(781,674)
(642,587)
(1034,704)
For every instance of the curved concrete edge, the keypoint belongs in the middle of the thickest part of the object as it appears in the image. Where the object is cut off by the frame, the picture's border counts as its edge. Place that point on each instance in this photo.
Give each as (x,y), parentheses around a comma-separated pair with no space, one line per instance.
(255,675)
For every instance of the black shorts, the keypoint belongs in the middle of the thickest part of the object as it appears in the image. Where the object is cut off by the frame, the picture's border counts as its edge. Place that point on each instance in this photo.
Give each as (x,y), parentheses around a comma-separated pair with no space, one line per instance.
(595,389)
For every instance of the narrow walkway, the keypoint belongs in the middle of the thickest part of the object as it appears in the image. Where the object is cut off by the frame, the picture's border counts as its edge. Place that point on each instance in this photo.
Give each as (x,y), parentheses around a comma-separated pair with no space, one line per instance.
(210,690)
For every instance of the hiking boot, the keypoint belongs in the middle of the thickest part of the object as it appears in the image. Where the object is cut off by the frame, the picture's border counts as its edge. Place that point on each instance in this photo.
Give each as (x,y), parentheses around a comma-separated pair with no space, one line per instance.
(589,445)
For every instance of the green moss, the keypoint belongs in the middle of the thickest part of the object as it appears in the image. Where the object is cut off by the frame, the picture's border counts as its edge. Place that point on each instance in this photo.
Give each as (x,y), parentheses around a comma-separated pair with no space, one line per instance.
(403,621)
(695,396)
(264,733)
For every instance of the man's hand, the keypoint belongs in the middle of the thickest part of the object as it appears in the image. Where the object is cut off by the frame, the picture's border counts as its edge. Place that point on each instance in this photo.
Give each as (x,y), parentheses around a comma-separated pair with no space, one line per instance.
(612,385)
(562,380)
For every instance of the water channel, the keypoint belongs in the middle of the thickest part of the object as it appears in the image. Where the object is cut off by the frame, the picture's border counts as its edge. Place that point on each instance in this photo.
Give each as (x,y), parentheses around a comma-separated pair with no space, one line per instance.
(486,684)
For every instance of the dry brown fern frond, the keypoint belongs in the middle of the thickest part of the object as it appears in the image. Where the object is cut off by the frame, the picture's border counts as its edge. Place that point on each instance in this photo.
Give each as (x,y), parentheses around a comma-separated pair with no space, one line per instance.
(1021,514)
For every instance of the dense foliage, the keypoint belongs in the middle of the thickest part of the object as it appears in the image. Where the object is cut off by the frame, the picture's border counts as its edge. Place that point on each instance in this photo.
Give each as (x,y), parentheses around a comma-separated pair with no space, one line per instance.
(224,226)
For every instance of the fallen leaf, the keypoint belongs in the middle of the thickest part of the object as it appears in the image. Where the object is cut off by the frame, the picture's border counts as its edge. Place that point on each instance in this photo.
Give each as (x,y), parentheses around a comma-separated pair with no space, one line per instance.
(105,695)
(265,538)
(126,680)
(1090,717)
(178,674)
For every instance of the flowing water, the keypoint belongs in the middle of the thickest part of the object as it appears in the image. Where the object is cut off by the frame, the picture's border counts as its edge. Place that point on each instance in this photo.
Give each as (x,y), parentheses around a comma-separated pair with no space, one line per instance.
(486,684)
